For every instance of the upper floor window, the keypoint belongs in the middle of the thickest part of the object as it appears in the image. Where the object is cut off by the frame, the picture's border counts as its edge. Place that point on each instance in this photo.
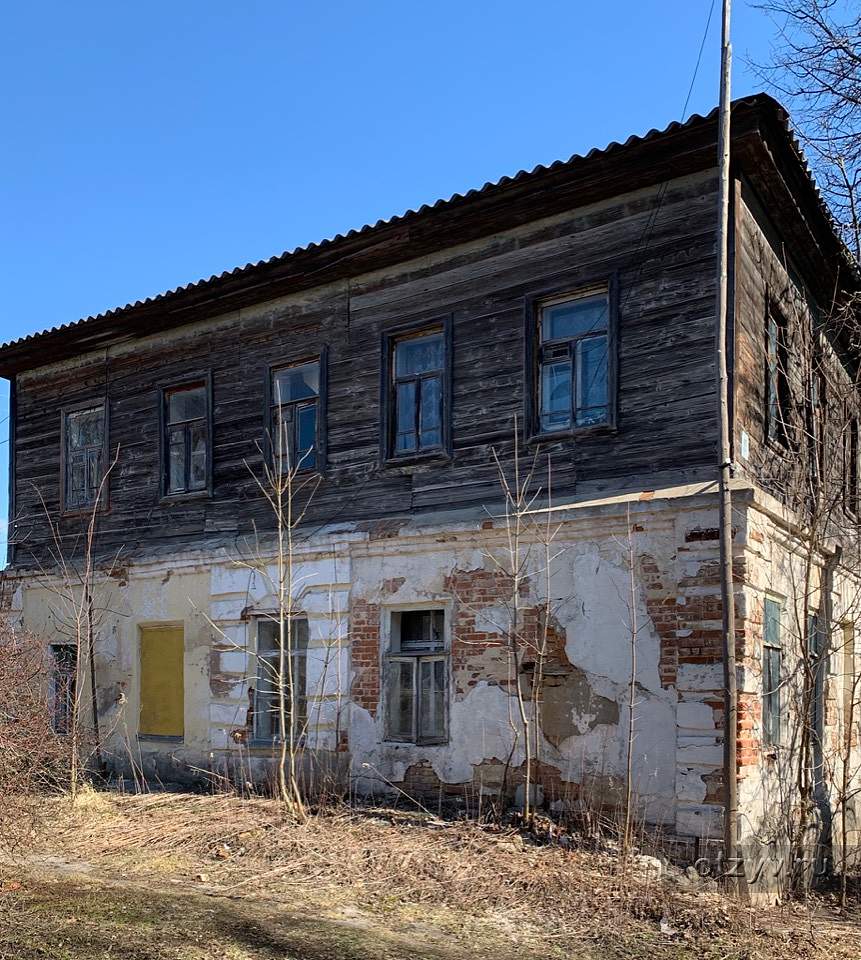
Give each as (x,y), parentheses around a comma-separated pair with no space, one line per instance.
(186,438)
(850,465)
(83,455)
(573,383)
(777,402)
(295,416)
(418,366)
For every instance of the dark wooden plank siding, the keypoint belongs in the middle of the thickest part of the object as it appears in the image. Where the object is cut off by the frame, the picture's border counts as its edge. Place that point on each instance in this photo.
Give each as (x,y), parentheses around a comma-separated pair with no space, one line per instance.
(662,255)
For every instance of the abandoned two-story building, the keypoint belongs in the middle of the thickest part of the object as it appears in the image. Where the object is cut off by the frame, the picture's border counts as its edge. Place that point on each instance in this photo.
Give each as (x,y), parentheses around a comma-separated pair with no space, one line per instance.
(559,322)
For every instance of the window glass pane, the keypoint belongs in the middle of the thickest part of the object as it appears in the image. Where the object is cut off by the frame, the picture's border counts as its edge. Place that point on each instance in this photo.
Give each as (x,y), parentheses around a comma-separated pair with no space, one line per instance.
(421,630)
(176,460)
(282,424)
(186,404)
(306,435)
(556,395)
(267,635)
(76,491)
(405,417)
(296,383)
(592,380)
(418,355)
(430,420)
(197,467)
(432,694)
(266,721)
(84,428)
(575,318)
(772,623)
(400,697)
(64,677)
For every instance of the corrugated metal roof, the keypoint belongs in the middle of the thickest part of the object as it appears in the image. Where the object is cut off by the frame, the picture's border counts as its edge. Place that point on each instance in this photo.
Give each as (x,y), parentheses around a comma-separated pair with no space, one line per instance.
(456,199)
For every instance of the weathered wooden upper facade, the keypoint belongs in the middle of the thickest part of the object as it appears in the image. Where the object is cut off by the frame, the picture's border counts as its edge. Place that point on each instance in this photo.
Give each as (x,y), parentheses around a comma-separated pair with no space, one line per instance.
(632,227)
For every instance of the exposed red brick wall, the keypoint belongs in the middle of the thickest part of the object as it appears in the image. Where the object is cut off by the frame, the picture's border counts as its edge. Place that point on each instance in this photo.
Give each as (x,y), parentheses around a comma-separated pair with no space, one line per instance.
(365,654)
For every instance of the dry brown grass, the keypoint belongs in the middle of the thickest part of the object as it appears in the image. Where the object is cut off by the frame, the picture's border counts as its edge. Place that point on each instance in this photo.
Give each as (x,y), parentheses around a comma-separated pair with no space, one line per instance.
(387,862)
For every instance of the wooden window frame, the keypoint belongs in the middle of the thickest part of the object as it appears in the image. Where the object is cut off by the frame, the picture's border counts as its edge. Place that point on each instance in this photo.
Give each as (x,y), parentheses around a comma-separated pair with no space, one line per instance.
(164,390)
(779,432)
(255,738)
(772,700)
(59,670)
(390,338)
(534,303)
(103,505)
(394,654)
(321,435)
(851,465)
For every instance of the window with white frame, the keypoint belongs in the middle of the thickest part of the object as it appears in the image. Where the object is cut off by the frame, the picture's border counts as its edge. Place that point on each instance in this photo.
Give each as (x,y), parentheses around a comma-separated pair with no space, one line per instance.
(281,679)
(417,672)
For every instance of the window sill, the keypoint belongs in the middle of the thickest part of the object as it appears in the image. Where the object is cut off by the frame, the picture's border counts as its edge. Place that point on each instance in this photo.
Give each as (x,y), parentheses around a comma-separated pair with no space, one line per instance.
(159,738)
(415,743)
(592,429)
(72,513)
(437,455)
(170,498)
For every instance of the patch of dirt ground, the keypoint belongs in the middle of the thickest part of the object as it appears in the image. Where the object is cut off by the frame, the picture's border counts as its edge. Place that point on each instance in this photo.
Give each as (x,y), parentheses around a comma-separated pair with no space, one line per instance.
(191,877)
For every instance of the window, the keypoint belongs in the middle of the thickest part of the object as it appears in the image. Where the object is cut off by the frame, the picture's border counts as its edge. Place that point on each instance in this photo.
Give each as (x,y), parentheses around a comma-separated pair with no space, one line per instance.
(64,686)
(417,677)
(162,683)
(417,392)
(771,662)
(186,439)
(294,416)
(850,465)
(83,456)
(817,659)
(573,362)
(275,687)
(850,709)
(777,409)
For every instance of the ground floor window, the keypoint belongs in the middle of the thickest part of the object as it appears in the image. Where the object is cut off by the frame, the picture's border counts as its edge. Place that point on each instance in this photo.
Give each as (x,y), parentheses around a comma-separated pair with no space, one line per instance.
(162,683)
(417,672)
(281,681)
(771,670)
(64,686)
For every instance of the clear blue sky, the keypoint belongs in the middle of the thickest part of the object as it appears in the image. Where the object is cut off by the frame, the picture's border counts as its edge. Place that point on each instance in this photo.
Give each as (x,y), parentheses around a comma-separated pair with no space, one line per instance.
(148,145)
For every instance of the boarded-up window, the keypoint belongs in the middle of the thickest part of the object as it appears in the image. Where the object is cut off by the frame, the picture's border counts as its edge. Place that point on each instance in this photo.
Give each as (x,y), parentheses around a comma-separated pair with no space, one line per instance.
(162,699)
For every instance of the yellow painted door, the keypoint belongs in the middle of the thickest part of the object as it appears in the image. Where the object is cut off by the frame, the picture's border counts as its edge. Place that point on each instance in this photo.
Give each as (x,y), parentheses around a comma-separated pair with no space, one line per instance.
(162,684)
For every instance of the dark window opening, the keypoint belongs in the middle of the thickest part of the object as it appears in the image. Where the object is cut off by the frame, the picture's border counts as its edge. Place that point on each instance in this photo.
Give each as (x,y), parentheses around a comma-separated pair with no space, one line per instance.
(186,440)
(818,666)
(418,370)
(64,686)
(777,395)
(84,455)
(573,362)
(417,677)
(281,680)
(294,416)
(850,465)
(771,669)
